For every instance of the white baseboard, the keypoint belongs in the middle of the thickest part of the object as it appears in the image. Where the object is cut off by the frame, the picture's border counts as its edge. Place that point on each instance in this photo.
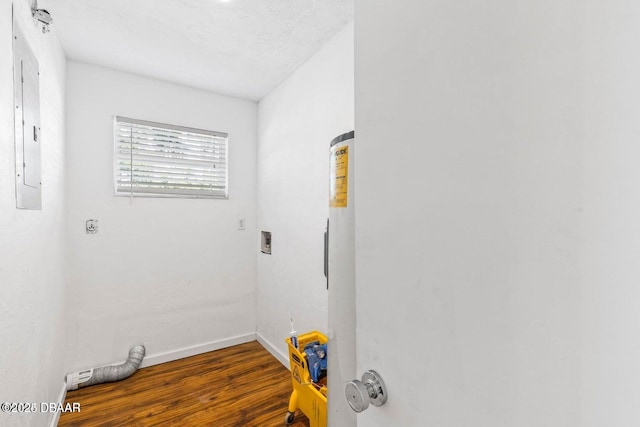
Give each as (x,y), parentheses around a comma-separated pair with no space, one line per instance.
(55,416)
(282,358)
(156,359)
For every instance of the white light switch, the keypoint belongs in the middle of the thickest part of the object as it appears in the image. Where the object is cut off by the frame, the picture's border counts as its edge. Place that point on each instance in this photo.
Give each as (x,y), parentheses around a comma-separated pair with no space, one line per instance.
(241,224)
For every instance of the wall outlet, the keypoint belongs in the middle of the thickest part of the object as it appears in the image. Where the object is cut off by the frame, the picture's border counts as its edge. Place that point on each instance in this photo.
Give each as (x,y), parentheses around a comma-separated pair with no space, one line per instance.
(241,224)
(91,226)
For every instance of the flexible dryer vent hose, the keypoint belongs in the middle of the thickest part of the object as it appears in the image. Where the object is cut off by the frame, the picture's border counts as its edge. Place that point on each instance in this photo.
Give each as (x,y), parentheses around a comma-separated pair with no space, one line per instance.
(118,372)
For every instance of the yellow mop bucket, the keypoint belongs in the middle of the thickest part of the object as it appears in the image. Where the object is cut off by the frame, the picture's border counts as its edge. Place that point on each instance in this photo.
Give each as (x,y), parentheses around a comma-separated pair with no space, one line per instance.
(309,397)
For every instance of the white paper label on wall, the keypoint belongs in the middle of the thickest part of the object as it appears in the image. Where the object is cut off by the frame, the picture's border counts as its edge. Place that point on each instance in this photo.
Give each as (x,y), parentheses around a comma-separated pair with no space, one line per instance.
(339,177)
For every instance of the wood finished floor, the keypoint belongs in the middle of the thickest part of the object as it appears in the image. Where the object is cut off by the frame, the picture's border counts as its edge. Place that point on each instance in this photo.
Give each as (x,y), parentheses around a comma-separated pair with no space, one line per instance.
(240,386)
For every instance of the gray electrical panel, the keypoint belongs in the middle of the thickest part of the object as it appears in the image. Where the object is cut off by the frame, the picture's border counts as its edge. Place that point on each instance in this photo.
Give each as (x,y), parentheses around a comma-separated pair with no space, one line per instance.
(27,123)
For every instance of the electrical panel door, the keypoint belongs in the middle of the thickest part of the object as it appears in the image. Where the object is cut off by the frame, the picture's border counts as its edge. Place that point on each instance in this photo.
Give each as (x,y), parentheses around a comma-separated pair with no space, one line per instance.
(27,123)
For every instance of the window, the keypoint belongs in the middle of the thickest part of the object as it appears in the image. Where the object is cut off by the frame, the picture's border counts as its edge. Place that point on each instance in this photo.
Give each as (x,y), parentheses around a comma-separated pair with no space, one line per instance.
(160,160)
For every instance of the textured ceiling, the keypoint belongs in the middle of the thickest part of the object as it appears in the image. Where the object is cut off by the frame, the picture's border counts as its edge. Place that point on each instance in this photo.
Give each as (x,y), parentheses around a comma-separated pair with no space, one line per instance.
(241,48)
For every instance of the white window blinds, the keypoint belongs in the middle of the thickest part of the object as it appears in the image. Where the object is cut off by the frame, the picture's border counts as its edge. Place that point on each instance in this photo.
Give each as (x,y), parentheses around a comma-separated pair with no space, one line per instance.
(160,160)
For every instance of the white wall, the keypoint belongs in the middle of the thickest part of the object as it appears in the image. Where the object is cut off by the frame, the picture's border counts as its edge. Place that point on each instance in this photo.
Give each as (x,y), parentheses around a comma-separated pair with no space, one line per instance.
(609,291)
(496,255)
(169,273)
(297,121)
(32,242)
